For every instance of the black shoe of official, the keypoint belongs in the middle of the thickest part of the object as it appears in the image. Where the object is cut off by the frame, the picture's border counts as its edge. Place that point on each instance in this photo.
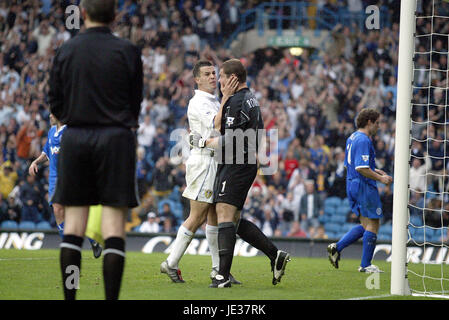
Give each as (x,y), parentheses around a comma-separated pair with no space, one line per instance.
(233,280)
(278,265)
(220,282)
(96,249)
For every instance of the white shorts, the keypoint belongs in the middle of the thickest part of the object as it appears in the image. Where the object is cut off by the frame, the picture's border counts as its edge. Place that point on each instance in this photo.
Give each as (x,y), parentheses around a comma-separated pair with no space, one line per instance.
(201,170)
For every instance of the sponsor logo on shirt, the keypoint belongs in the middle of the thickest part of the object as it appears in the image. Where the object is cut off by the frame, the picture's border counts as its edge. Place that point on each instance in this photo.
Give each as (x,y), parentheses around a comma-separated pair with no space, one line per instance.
(54,150)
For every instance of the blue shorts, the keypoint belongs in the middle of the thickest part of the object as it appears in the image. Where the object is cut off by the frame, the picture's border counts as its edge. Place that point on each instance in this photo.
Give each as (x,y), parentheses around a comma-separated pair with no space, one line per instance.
(51,191)
(364,199)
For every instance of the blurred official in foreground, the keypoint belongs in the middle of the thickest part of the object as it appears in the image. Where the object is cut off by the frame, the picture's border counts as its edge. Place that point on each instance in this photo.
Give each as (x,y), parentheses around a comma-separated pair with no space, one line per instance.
(96,89)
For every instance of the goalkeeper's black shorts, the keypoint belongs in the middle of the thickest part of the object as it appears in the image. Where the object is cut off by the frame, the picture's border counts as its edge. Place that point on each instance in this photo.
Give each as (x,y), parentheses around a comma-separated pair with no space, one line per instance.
(97,166)
(233,182)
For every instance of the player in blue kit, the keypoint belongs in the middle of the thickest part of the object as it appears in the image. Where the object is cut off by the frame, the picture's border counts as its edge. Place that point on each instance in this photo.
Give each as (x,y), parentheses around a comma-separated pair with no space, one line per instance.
(361,189)
(50,152)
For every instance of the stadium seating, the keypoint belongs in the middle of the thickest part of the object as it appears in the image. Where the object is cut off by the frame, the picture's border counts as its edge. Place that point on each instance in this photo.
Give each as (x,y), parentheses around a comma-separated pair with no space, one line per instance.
(27,225)
(9,224)
(339,219)
(343,210)
(332,227)
(175,207)
(175,195)
(334,202)
(386,229)
(43,225)
(347,226)
(416,220)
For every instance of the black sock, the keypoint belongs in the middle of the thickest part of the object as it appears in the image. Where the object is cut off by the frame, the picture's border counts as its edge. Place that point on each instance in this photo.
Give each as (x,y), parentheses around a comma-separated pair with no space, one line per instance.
(250,233)
(113,265)
(226,244)
(70,262)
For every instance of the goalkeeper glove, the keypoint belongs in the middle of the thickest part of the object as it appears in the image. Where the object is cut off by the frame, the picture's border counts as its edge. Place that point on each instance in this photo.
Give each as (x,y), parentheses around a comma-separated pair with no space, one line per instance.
(195,140)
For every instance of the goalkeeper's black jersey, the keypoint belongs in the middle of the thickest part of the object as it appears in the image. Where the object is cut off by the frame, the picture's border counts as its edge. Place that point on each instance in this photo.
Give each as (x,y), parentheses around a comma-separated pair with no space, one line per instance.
(240,123)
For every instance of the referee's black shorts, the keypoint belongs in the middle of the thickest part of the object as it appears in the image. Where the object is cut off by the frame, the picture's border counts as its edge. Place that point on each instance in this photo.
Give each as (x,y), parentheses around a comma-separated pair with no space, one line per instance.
(97,166)
(233,182)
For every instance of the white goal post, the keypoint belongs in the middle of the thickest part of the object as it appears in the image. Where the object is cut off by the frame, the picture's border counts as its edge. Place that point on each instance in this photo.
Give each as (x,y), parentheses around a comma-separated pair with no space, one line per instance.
(399,283)
(421,166)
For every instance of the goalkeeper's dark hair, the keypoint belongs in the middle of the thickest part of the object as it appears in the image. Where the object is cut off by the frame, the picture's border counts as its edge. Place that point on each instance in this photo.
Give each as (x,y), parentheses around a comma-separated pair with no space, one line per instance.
(102,11)
(199,65)
(366,115)
(234,66)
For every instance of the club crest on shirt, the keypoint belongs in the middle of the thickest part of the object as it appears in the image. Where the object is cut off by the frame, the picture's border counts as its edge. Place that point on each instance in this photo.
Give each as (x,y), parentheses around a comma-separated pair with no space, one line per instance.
(229,121)
(208,194)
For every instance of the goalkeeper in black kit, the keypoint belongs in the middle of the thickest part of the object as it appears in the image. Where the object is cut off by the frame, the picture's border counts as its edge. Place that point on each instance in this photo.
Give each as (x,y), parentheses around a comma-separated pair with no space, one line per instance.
(241,121)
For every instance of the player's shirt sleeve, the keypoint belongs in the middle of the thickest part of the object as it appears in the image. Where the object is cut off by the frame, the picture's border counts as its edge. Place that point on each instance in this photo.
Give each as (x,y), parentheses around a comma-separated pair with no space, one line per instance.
(362,154)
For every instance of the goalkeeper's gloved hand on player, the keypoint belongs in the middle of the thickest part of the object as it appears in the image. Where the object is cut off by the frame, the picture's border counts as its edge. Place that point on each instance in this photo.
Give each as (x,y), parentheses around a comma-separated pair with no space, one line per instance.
(195,140)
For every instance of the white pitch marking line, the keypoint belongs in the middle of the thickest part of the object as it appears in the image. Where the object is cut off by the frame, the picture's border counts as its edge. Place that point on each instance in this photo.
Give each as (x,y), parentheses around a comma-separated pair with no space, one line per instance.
(370,297)
(18,259)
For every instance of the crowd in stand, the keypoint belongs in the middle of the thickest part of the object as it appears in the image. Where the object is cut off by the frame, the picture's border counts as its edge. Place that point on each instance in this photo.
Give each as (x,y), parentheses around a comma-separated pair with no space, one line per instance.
(310,99)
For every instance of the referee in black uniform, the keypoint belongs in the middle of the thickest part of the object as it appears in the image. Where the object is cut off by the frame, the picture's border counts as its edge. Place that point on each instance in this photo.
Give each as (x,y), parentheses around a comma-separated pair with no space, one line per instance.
(241,120)
(96,89)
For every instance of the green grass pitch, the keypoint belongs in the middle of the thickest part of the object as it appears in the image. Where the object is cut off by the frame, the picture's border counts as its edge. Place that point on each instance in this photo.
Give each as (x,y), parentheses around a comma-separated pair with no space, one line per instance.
(35,275)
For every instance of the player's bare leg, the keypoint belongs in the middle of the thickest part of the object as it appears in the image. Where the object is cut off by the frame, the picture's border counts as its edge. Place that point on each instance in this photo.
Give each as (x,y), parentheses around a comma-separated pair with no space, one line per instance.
(113,230)
(58,211)
(197,216)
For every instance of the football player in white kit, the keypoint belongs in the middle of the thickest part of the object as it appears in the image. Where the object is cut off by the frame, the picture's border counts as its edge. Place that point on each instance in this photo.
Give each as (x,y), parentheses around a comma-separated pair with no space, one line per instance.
(204,115)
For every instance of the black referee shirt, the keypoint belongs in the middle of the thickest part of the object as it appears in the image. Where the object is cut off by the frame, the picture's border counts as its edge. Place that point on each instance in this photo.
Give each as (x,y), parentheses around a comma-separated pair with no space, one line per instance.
(96,80)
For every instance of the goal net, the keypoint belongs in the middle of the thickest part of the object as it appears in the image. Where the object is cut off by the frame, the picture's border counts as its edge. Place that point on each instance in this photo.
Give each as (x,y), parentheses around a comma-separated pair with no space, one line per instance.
(427,262)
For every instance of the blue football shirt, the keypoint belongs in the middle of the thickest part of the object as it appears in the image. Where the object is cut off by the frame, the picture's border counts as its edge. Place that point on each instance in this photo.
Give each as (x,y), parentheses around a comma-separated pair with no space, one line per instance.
(361,191)
(51,150)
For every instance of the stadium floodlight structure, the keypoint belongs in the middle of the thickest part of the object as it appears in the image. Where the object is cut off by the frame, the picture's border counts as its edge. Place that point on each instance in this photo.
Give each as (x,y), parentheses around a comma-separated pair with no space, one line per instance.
(416,75)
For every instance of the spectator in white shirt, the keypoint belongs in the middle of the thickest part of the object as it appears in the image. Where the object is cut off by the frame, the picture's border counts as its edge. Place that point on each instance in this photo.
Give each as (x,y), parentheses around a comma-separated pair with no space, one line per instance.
(146,132)
(189,38)
(151,225)
(44,36)
(417,178)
